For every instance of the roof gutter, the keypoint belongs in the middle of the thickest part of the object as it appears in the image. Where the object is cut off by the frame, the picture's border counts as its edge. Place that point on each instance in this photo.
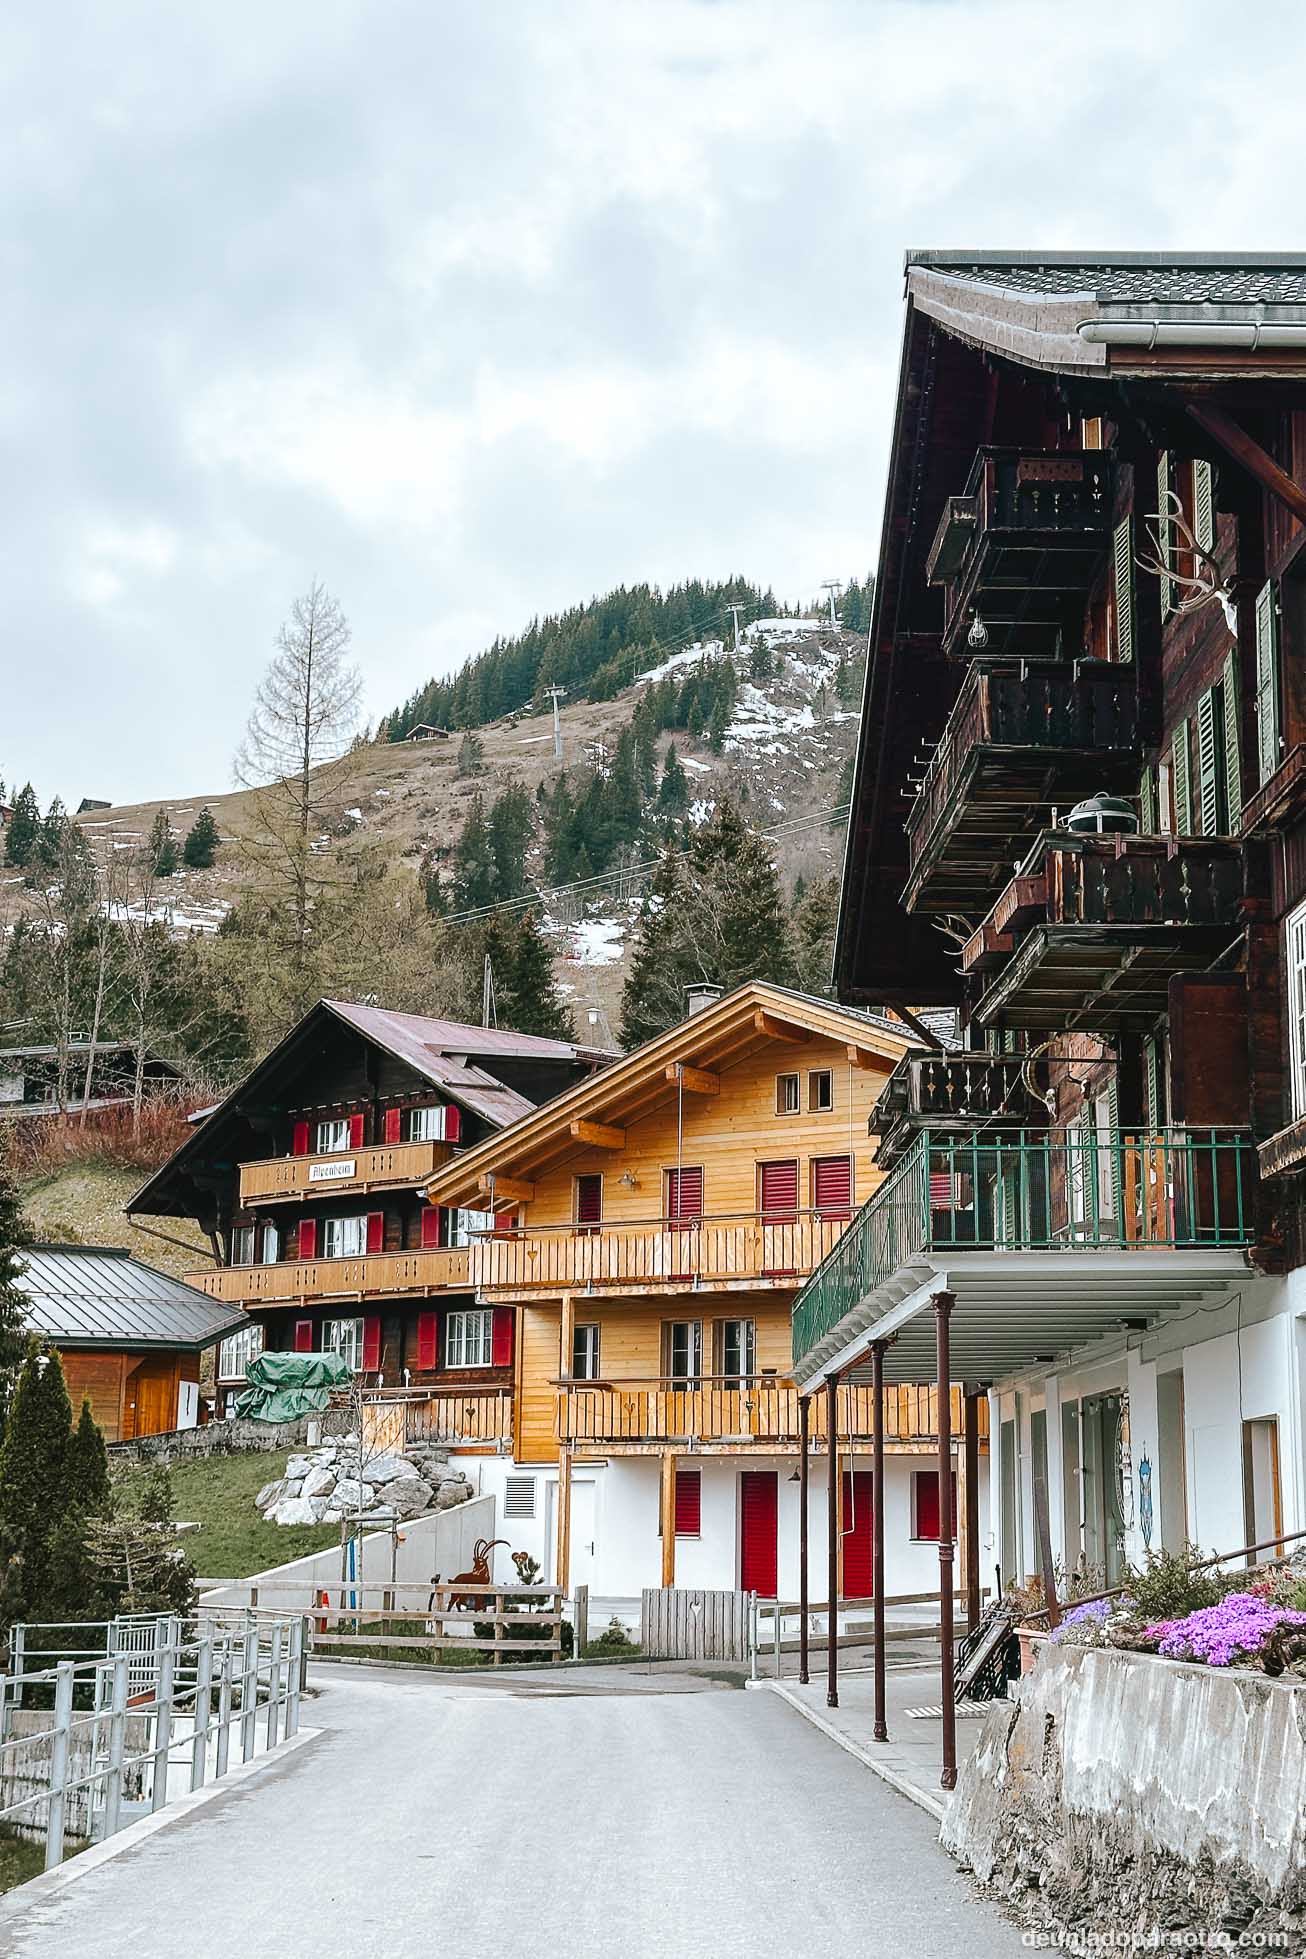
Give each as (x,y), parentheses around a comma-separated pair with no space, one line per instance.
(1253,334)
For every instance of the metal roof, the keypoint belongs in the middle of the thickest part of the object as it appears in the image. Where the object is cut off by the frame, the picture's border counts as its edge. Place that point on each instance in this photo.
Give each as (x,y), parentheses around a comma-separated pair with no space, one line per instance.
(101,1296)
(1133,278)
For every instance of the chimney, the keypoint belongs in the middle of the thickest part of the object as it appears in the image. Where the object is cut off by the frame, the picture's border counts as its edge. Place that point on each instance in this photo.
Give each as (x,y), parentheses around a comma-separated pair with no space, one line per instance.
(700,996)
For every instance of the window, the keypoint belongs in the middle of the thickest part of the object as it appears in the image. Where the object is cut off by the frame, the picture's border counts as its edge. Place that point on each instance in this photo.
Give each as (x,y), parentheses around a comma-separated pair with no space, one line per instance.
(269,1247)
(585,1353)
(333,1135)
(237,1351)
(589,1200)
(684,1193)
(344,1237)
(344,1337)
(689,1503)
(467,1339)
(832,1186)
(788,1101)
(1295,935)
(1181,782)
(426,1125)
(777,1188)
(820,1090)
(1267,682)
(682,1350)
(736,1348)
(464,1225)
(242,1244)
(925,1505)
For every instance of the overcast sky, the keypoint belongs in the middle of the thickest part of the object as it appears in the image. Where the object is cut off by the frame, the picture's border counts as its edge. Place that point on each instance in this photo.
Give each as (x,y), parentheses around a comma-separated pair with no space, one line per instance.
(475,311)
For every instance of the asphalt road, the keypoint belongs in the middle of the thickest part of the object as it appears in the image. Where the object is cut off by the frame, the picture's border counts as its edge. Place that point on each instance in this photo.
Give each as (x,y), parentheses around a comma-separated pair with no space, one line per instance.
(646,1817)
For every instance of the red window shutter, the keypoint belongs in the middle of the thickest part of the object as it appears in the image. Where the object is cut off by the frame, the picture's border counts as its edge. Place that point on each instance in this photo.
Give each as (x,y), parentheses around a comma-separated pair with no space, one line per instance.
(685,1192)
(308,1237)
(689,1506)
(589,1200)
(394,1122)
(505,1220)
(779,1188)
(355,1132)
(501,1337)
(299,1140)
(376,1231)
(832,1186)
(428,1340)
(303,1336)
(371,1342)
(430,1228)
(927,1503)
(453,1124)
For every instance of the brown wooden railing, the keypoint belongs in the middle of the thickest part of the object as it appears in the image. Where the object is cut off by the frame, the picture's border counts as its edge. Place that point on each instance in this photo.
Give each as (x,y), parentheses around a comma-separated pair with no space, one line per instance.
(654,1252)
(395,1418)
(760,1409)
(1065,706)
(386,1166)
(960,1087)
(329,1278)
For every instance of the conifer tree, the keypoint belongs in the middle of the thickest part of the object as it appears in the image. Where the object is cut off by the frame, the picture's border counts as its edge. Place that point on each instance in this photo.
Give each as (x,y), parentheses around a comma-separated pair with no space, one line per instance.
(201,845)
(88,1466)
(471,755)
(14,1235)
(673,791)
(34,1487)
(816,911)
(475,882)
(24,828)
(161,846)
(511,826)
(528,996)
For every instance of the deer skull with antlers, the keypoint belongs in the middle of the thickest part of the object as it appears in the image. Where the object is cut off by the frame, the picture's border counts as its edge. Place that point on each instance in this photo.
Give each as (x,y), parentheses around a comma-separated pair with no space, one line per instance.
(1207,581)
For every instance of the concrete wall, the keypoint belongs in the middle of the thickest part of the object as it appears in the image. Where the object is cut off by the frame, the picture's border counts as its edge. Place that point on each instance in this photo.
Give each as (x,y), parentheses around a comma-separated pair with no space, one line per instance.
(213,1439)
(440,1542)
(1126,1791)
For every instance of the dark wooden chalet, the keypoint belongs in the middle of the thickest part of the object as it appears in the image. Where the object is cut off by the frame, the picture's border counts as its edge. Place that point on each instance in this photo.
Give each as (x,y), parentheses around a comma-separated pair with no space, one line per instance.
(308,1181)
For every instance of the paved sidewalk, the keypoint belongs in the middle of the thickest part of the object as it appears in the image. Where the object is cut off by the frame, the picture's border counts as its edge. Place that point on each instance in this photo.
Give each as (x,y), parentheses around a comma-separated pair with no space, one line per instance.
(462,1819)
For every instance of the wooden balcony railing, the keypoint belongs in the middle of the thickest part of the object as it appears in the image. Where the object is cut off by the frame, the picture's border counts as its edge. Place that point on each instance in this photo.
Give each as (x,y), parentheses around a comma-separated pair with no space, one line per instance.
(384,1167)
(748,1249)
(753,1410)
(1021,547)
(375,1276)
(395,1418)
(1019,738)
(957,1087)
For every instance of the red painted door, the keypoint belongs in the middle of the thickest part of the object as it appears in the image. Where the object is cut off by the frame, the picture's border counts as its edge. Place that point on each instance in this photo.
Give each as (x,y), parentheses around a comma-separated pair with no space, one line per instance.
(757,1531)
(858,1520)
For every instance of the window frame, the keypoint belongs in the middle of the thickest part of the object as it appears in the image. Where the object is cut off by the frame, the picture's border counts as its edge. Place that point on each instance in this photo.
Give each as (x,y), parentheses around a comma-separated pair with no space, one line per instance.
(344,1337)
(1294,928)
(458,1233)
(334,1224)
(748,1346)
(249,1339)
(415,1120)
(781,1093)
(243,1244)
(693,1377)
(586,1350)
(815,1075)
(458,1327)
(269,1230)
(332,1124)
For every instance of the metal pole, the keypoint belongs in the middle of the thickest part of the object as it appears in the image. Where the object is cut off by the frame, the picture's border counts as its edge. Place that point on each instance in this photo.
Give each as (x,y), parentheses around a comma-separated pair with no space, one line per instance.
(164,1659)
(274,1684)
(292,1676)
(203,1707)
(971,1575)
(223,1749)
(56,1813)
(17,1642)
(804,1423)
(117,1748)
(881,1729)
(752,1635)
(249,1688)
(943,1305)
(832,1537)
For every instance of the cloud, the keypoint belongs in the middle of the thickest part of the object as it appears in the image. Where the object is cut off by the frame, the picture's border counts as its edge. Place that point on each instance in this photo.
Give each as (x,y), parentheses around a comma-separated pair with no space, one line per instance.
(476,312)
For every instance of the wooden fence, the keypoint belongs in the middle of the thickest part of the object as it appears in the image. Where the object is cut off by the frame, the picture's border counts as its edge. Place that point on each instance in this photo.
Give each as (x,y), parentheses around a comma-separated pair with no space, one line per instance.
(676,1624)
(524,1621)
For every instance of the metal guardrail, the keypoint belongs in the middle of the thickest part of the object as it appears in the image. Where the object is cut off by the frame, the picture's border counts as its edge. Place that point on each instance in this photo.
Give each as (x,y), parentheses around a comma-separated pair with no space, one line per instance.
(217,1677)
(1012,1189)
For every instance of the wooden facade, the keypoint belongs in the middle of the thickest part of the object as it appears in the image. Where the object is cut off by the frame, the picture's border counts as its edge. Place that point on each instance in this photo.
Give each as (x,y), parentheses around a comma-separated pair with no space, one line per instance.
(131,1394)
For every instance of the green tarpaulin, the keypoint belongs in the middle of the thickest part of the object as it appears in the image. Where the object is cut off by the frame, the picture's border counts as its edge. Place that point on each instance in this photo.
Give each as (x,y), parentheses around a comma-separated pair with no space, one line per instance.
(282,1386)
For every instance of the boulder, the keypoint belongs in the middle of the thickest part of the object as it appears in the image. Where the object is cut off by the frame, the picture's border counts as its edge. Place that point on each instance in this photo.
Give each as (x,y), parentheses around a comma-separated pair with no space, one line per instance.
(270,1494)
(407,1496)
(294,1510)
(350,1495)
(292,1486)
(320,1481)
(454,1489)
(384,1469)
(299,1466)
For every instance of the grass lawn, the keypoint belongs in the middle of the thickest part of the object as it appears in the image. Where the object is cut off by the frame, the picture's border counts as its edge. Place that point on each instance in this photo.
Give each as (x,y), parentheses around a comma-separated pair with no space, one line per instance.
(20,1860)
(233,1541)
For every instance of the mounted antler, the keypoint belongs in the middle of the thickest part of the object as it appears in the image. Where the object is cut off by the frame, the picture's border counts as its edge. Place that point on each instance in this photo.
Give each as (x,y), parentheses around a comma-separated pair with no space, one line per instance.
(1209,581)
(954,927)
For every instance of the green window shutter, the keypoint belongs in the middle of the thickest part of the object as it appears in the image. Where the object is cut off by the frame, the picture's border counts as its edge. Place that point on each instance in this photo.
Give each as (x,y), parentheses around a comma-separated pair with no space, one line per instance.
(1233,774)
(1165,530)
(1267,682)
(1204,505)
(1180,783)
(1124,583)
(1152,1083)
(1147,804)
(1209,766)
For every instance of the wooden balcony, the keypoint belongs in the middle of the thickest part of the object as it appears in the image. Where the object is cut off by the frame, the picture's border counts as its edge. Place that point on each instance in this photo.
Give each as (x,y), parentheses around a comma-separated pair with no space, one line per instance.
(1091,930)
(393,1419)
(732,1414)
(1019,742)
(389,1166)
(1021,547)
(297,1281)
(746,1253)
(939,1090)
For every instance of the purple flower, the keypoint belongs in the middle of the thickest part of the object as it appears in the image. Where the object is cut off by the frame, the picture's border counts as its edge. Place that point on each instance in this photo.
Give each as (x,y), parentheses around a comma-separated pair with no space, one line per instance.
(1237,1628)
(1078,1615)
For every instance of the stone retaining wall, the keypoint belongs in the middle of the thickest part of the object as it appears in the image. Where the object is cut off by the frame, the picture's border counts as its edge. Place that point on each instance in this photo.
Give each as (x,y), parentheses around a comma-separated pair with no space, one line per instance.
(227,1438)
(1119,1791)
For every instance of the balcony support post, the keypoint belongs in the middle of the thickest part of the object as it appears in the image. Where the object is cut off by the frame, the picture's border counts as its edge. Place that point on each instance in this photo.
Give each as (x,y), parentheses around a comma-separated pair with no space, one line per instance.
(970,1550)
(881,1729)
(804,1422)
(668,1518)
(832,1541)
(562,1575)
(943,1304)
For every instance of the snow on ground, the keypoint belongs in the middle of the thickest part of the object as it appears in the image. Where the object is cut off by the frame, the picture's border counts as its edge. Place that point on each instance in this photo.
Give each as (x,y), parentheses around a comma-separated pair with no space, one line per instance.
(597,941)
(357,814)
(177,918)
(787,628)
(702,649)
(699,768)
(700,811)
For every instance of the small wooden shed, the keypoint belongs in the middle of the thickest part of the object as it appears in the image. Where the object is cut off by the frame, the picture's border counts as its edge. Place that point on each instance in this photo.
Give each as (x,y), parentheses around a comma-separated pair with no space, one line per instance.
(130,1336)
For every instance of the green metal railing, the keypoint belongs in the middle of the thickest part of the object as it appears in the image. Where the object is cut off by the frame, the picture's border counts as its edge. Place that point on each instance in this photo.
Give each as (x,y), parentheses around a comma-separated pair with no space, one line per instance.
(1012,1189)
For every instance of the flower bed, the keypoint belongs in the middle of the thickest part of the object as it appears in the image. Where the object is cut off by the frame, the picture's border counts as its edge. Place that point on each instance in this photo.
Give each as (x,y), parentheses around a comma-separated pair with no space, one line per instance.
(1179,1608)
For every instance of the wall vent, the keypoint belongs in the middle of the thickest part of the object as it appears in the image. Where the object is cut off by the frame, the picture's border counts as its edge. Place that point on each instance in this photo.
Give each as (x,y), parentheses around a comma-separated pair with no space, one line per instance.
(519,1496)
